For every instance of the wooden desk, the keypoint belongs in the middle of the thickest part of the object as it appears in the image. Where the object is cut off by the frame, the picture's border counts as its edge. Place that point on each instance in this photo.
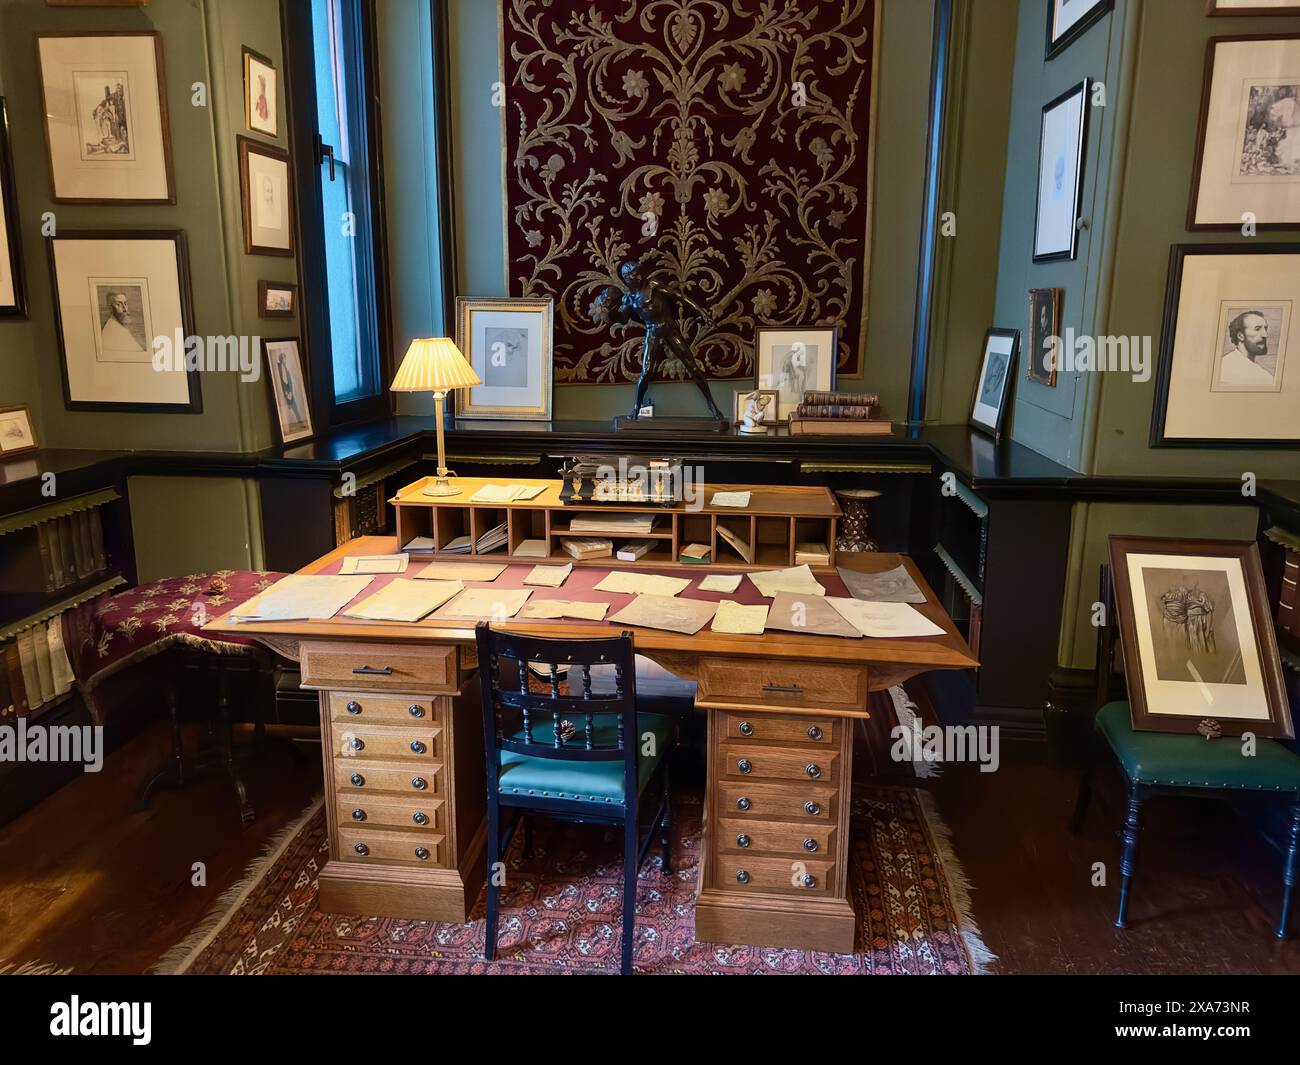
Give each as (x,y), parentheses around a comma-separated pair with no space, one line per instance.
(402,735)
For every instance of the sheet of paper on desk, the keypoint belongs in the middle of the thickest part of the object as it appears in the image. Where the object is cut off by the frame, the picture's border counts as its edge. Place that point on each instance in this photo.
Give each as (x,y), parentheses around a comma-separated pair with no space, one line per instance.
(405,600)
(809,616)
(721,582)
(487,603)
(642,584)
(744,620)
(507,493)
(549,576)
(729,499)
(461,571)
(300,596)
(884,619)
(797,580)
(375,564)
(892,586)
(667,612)
(531,549)
(562,608)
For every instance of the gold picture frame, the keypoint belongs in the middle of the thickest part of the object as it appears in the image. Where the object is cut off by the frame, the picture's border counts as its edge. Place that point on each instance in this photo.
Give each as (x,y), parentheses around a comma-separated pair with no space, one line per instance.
(508,341)
(1042,301)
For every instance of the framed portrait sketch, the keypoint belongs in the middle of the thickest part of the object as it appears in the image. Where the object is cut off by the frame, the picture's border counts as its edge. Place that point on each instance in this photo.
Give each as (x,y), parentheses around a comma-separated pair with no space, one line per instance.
(1044,335)
(988,409)
(1067,20)
(13,284)
(1062,137)
(107,137)
(16,432)
(1247,163)
(1200,654)
(277,299)
(266,191)
(508,342)
(795,361)
(261,111)
(288,389)
(1227,376)
(123,312)
(1251,7)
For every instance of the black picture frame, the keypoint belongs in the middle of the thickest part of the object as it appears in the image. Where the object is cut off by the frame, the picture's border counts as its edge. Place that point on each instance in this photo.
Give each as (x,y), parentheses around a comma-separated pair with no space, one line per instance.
(1178,254)
(9,193)
(263,290)
(247,147)
(194,405)
(995,430)
(1060,44)
(1081,156)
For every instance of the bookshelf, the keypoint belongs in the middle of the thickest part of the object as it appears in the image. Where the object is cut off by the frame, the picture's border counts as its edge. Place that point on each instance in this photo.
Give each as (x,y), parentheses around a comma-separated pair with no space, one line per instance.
(778,518)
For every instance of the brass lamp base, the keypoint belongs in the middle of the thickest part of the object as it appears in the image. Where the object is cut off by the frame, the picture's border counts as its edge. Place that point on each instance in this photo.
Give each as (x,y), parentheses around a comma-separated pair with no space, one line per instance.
(441,487)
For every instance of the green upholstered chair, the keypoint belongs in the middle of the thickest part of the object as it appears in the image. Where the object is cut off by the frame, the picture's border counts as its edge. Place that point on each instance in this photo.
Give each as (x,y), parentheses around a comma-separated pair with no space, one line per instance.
(1159,763)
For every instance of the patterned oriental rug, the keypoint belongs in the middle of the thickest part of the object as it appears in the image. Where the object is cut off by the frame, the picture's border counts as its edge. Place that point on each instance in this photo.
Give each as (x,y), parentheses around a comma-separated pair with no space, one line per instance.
(561,909)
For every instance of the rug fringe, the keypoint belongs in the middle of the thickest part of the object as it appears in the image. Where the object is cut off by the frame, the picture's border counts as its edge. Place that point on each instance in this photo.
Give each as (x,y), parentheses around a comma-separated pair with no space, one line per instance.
(178,959)
(33,968)
(959,886)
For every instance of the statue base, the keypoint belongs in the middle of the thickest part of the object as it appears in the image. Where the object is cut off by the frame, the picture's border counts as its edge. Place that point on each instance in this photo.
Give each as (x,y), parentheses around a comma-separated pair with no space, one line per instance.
(627,423)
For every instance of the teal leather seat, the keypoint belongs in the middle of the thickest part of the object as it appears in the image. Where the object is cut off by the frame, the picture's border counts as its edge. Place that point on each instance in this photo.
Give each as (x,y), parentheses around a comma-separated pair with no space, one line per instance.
(1184,760)
(523,774)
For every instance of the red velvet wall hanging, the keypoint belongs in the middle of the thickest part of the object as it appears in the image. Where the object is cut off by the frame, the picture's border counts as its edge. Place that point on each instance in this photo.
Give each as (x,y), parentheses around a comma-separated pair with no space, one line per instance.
(726,144)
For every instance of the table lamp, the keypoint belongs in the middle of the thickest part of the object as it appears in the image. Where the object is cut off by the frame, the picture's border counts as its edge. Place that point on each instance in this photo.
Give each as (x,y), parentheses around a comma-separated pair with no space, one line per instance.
(435,364)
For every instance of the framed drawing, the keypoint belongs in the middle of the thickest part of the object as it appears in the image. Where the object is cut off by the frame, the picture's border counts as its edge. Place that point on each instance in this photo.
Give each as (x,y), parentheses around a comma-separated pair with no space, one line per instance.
(277,299)
(1251,7)
(123,313)
(1061,140)
(508,342)
(1227,376)
(107,137)
(1247,163)
(988,408)
(261,111)
(266,189)
(289,389)
(16,433)
(1067,20)
(1044,335)
(1199,650)
(13,283)
(795,361)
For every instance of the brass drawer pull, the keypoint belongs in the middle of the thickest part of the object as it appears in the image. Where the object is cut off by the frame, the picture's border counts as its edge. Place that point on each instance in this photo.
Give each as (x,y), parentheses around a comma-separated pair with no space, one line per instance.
(745,765)
(356,743)
(742,877)
(814,733)
(792,689)
(746,729)
(810,844)
(809,881)
(422,853)
(415,711)
(358,814)
(358,781)
(418,747)
(361,848)
(813,808)
(419,783)
(813,770)
(372,671)
(420,818)
(742,840)
(742,803)
(353,707)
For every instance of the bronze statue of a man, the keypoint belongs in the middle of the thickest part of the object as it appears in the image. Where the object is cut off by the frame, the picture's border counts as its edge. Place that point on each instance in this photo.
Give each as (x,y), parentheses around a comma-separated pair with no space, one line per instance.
(659,308)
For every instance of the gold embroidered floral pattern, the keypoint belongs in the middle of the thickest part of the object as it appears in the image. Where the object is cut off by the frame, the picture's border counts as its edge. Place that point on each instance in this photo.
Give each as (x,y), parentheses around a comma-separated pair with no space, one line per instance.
(724,143)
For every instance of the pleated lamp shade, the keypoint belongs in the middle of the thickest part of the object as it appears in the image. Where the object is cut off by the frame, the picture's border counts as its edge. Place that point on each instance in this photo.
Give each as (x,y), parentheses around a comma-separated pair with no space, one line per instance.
(434,364)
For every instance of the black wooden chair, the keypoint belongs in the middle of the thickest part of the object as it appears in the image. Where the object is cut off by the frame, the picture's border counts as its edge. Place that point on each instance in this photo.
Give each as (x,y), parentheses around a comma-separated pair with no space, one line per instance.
(571,753)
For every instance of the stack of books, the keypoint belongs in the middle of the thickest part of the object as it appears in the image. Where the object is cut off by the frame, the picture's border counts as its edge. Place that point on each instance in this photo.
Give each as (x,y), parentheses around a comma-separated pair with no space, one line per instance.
(34,669)
(620,524)
(588,547)
(839,414)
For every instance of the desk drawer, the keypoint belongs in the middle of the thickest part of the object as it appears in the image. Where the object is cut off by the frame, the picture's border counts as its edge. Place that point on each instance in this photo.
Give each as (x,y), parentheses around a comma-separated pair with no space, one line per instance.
(809,840)
(368,708)
(751,761)
(370,846)
(417,744)
(359,775)
(772,802)
(790,683)
(417,813)
(783,876)
(378,666)
(781,728)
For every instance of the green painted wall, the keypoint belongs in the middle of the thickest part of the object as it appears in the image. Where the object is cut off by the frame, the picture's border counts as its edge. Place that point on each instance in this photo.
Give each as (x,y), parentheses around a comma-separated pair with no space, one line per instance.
(194,524)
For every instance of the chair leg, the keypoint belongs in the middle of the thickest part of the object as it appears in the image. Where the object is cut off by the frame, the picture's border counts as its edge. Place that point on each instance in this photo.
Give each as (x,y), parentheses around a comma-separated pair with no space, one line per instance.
(493,860)
(1128,859)
(246,812)
(666,828)
(1289,871)
(630,871)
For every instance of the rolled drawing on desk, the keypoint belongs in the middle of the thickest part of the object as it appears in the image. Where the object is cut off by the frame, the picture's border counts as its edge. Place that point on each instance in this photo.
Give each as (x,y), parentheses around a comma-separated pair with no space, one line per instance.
(302,596)
(461,571)
(667,612)
(884,620)
(891,586)
(809,615)
(797,580)
(732,617)
(404,600)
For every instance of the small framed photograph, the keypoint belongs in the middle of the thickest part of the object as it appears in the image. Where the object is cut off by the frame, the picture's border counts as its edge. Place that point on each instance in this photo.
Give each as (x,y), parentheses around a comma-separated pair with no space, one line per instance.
(1044,335)
(748,399)
(106,131)
(508,342)
(261,111)
(997,366)
(289,389)
(1223,8)
(1247,163)
(795,361)
(1200,654)
(123,314)
(16,432)
(1068,20)
(1062,137)
(13,285)
(277,299)
(1227,376)
(266,189)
